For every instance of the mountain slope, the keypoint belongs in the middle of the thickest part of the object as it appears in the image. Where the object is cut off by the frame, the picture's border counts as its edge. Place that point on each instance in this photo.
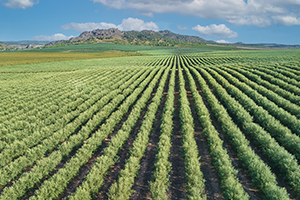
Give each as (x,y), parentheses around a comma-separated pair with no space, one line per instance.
(145,37)
(4,46)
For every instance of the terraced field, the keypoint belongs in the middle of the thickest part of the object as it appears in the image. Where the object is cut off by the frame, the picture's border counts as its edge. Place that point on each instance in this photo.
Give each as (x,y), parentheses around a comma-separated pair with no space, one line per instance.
(222,125)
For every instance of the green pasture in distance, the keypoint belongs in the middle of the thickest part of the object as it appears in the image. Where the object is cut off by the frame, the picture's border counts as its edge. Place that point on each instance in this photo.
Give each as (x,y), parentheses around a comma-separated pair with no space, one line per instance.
(32,57)
(69,64)
(99,47)
(153,50)
(274,56)
(186,50)
(72,65)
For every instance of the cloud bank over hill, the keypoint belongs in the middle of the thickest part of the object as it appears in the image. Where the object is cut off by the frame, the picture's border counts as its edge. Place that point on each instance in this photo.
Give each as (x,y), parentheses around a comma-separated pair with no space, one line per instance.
(128,24)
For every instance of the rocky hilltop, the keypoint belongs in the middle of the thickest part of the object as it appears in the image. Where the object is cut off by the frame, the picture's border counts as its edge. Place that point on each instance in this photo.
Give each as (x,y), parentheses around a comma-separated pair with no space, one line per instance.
(145,37)
(100,34)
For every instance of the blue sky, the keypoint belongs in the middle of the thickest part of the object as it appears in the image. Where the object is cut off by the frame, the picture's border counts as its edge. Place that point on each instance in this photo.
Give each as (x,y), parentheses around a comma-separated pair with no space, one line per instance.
(248,21)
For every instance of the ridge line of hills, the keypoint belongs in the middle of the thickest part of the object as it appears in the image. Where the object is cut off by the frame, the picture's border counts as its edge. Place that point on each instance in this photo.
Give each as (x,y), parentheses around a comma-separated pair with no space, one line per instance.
(145,38)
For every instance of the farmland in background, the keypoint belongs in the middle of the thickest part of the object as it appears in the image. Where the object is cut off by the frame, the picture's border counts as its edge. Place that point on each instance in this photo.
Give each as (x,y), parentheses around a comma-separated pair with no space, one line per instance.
(159,123)
(91,51)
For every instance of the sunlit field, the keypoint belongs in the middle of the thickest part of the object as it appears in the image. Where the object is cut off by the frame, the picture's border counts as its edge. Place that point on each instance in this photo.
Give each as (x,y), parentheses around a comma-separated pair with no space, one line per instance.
(172,124)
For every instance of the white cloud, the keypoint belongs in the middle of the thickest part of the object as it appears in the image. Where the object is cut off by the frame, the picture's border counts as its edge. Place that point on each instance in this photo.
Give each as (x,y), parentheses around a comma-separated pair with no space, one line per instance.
(137,25)
(239,12)
(220,31)
(57,36)
(126,25)
(251,20)
(80,27)
(223,41)
(182,28)
(23,4)
(287,20)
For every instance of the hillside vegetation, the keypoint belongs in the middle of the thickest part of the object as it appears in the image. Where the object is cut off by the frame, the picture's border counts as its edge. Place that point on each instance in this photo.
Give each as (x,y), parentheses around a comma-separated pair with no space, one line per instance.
(145,38)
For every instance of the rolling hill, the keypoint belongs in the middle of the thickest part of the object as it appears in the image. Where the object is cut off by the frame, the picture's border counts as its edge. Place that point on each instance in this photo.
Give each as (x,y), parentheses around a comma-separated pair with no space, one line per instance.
(145,37)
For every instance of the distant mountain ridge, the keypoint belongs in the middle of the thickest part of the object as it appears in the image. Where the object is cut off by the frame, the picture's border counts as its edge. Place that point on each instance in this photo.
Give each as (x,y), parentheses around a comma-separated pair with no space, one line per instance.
(145,37)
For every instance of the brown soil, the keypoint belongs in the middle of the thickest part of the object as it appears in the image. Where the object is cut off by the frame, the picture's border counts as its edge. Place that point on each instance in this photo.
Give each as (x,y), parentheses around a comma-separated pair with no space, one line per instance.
(141,185)
(212,186)
(123,155)
(177,176)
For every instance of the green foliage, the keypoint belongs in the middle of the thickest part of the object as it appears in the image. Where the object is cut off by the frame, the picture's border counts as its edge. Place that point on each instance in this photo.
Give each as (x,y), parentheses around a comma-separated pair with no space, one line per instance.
(92,143)
(230,185)
(279,113)
(93,180)
(122,188)
(55,116)
(160,184)
(195,182)
(262,177)
(274,87)
(277,153)
(10,171)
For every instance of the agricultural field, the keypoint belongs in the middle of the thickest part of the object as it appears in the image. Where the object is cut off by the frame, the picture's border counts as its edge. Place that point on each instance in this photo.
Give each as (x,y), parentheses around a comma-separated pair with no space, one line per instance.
(182,125)
(93,51)
(21,58)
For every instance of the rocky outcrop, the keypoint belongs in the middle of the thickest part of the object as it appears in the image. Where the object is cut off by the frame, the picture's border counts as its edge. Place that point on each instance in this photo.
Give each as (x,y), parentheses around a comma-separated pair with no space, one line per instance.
(136,36)
(112,32)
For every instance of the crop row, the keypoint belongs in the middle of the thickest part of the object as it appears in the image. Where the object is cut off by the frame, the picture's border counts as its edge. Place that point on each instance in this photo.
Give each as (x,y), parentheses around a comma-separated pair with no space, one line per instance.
(194,177)
(38,112)
(76,140)
(282,92)
(262,177)
(95,177)
(280,74)
(58,119)
(278,156)
(277,81)
(37,91)
(122,188)
(60,180)
(280,114)
(232,188)
(31,155)
(19,147)
(280,101)
(160,183)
